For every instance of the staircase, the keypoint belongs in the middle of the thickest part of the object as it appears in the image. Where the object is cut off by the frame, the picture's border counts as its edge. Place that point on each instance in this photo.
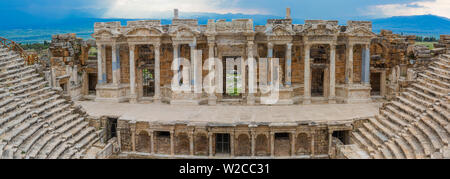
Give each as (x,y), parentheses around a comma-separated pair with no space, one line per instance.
(35,121)
(414,125)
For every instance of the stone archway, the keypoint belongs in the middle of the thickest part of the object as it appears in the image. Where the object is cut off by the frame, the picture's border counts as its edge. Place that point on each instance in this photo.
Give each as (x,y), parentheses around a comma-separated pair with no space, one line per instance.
(182,144)
(302,146)
(143,142)
(262,145)
(243,147)
(201,144)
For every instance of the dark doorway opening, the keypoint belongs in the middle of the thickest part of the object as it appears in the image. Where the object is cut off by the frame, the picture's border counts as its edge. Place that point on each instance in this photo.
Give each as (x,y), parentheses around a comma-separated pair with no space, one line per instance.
(148,82)
(230,80)
(92,77)
(343,136)
(223,144)
(375,83)
(111,125)
(317,82)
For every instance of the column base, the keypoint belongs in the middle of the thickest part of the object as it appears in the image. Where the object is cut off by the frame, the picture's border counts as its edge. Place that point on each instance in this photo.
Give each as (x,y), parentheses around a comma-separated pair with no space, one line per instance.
(133,99)
(307,100)
(332,100)
(251,99)
(212,100)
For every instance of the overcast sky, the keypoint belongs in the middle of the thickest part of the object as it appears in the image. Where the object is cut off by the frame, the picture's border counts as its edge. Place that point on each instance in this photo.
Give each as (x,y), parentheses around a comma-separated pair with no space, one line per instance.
(324,9)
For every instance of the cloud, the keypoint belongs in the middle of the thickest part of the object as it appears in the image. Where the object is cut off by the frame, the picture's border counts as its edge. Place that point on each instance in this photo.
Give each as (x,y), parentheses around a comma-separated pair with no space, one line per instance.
(435,7)
(163,8)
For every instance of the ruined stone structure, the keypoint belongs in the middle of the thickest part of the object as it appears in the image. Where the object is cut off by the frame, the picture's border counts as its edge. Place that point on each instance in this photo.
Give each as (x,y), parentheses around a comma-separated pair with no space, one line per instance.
(135,114)
(35,121)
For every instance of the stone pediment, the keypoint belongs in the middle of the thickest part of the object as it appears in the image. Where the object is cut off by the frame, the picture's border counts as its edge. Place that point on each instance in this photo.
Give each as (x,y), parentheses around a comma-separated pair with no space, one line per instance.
(280,30)
(360,31)
(144,31)
(184,31)
(320,30)
(103,34)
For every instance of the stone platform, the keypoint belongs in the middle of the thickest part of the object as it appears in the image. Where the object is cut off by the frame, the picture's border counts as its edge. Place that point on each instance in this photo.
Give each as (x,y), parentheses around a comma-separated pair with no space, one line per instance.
(223,114)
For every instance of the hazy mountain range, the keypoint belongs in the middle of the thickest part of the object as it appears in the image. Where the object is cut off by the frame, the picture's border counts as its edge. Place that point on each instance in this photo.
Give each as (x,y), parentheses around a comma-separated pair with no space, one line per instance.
(34,29)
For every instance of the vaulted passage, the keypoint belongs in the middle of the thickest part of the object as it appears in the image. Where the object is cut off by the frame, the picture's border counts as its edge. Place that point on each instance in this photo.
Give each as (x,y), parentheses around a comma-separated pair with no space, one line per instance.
(262,145)
(317,81)
(302,145)
(201,144)
(243,147)
(282,144)
(182,144)
(143,142)
(162,143)
(92,78)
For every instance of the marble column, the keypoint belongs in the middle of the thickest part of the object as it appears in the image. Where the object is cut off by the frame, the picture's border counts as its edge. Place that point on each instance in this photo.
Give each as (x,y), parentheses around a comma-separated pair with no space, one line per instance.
(172,143)
(100,64)
(210,144)
(293,138)
(176,50)
(253,135)
(349,65)
(103,54)
(332,92)
(313,144)
(192,46)
(307,76)
(365,78)
(212,98)
(191,143)
(133,96)
(157,96)
(252,78)
(116,64)
(330,141)
(133,140)
(269,58)
(272,144)
(152,141)
(288,65)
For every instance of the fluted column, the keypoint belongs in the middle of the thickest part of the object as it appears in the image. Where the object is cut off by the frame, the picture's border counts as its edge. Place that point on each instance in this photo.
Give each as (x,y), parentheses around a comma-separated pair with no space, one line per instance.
(157,96)
(332,94)
(307,76)
(349,65)
(293,137)
(365,78)
(288,65)
(253,135)
(116,64)
(212,98)
(133,96)
(252,78)
(100,64)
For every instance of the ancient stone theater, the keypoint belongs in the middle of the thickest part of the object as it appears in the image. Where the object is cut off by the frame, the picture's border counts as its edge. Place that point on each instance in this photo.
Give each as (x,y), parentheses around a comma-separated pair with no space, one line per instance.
(342,92)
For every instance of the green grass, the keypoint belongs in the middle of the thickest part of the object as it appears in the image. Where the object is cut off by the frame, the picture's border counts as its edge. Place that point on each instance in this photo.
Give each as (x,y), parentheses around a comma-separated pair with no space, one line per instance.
(428,44)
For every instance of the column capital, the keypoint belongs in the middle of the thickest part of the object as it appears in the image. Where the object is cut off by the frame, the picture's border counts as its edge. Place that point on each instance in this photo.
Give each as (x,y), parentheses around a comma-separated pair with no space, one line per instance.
(175,44)
(289,45)
(250,43)
(157,44)
(193,44)
(350,45)
(132,46)
(270,45)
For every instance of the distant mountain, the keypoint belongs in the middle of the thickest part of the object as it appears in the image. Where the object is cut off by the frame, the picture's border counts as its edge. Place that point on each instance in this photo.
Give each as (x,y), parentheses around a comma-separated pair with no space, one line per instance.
(418,25)
(35,29)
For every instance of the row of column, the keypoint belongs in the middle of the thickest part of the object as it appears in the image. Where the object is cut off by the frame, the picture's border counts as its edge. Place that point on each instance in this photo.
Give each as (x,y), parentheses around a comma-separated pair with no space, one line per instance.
(288,62)
(365,65)
(232,141)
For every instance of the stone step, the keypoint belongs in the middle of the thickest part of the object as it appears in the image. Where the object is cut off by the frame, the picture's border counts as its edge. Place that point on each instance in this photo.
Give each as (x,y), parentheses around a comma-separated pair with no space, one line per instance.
(56,110)
(34,93)
(26,78)
(386,131)
(434,87)
(398,154)
(444,113)
(406,149)
(77,140)
(440,64)
(400,114)
(13,61)
(412,104)
(71,124)
(37,147)
(29,144)
(436,94)
(417,100)
(26,84)
(424,142)
(87,141)
(14,127)
(438,118)
(49,147)
(31,88)
(415,145)
(400,123)
(421,94)
(437,129)
(387,154)
(386,122)
(12,65)
(16,75)
(411,112)
(440,71)
(358,139)
(50,105)
(64,121)
(369,138)
(66,136)
(434,80)
(5,102)
(27,135)
(433,138)
(380,137)
(11,116)
(438,76)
